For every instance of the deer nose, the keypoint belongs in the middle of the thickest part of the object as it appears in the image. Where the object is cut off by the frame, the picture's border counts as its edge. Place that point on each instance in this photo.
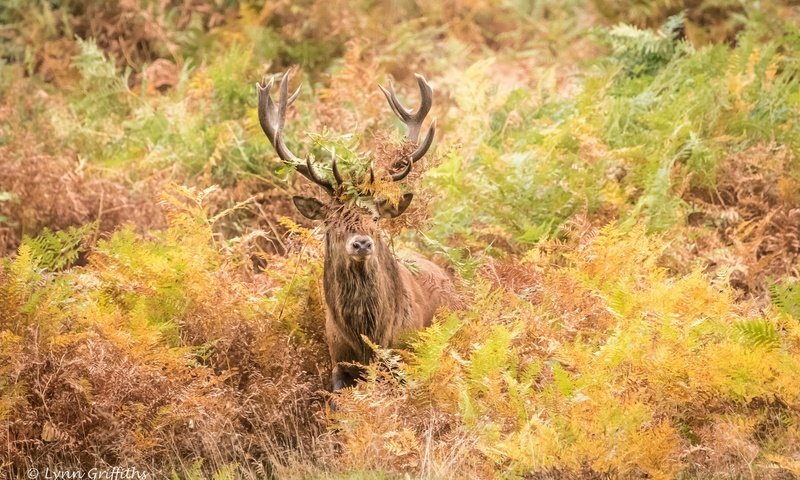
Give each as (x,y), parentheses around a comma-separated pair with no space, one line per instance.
(362,245)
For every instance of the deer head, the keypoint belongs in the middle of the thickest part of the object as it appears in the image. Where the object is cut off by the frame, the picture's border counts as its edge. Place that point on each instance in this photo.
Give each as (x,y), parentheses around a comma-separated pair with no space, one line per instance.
(351,229)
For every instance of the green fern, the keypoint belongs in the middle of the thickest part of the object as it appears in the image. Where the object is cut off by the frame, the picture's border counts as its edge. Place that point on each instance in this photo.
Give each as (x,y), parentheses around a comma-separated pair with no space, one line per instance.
(645,52)
(758,333)
(431,344)
(57,250)
(491,358)
(232,88)
(103,87)
(786,297)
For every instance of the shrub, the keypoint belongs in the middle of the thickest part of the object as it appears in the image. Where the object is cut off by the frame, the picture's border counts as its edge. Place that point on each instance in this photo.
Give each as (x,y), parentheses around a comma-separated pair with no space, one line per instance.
(154,355)
(608,367)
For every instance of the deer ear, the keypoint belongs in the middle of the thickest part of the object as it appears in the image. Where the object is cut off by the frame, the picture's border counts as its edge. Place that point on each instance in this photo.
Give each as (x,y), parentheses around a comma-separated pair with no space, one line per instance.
(310,207)
(388,210)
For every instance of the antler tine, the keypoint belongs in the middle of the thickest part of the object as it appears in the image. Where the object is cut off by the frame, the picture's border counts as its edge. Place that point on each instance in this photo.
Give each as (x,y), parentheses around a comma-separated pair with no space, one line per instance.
(396,177)
(369,185)
(272,116)
(412,119)
(416,154)
(423,147)
(336,174)
(265,107)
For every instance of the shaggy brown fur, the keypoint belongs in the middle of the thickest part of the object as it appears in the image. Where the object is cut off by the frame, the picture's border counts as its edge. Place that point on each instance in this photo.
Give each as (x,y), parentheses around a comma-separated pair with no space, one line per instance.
(377,296)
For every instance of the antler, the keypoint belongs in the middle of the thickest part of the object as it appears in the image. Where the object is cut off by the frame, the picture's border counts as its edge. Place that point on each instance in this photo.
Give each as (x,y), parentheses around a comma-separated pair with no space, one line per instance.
(413,121)
(272,117)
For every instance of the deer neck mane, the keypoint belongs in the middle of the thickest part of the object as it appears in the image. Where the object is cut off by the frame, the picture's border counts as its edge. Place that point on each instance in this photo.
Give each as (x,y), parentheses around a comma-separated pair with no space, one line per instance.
(363,296)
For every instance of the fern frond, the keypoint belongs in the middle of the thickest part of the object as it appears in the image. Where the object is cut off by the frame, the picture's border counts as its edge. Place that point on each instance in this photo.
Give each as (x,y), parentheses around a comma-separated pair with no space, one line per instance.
(57,250)
(786,297)
(758,333)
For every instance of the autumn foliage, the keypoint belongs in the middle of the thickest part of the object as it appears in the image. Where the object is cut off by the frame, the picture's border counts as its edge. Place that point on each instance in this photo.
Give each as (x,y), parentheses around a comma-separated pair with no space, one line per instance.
(614,188)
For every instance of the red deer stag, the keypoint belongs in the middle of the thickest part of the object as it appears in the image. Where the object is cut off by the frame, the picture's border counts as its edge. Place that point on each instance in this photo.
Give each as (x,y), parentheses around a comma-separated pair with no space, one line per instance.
(367,290)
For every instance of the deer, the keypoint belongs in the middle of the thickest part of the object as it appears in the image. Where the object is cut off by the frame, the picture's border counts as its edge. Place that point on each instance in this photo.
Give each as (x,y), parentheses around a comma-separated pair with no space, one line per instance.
(369,293)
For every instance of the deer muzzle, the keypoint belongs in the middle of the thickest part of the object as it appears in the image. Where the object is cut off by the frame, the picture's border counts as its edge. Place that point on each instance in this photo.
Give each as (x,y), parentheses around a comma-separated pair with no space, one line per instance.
(359,247)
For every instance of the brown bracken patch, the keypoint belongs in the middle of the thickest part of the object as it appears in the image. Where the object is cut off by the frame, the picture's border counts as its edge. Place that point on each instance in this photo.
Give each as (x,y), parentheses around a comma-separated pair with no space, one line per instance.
(749,224)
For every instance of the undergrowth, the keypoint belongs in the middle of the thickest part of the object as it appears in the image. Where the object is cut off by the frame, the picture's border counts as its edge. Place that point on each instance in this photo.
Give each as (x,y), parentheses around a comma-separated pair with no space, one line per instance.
(636,374)
(154,354)
(617,202)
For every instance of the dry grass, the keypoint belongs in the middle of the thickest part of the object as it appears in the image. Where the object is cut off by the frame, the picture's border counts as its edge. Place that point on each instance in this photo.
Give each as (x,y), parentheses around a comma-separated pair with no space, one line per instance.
(60,192)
